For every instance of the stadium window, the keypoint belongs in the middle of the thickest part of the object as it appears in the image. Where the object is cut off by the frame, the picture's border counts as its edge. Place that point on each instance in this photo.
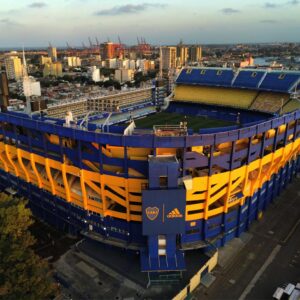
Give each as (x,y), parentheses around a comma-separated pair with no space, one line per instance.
(219,72)
(163,181)
(253,74)
(188,71)
(281,76)
(203,72)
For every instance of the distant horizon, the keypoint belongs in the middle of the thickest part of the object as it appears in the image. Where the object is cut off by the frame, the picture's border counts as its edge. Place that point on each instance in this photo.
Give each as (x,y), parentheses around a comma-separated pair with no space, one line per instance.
(35,23)
(154,45)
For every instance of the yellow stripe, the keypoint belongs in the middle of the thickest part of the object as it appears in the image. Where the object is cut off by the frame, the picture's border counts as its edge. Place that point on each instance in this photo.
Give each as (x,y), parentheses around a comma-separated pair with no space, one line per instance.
(92,182)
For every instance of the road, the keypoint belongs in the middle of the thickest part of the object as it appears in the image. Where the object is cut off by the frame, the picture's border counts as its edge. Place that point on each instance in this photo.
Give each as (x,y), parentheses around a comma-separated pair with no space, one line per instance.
(269,259)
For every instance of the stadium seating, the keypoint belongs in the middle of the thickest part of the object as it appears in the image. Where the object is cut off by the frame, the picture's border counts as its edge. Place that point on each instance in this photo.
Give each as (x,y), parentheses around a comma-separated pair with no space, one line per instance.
(278,81)
(269,101)
(215,77)
(215,96)
(248,78)
(291,105)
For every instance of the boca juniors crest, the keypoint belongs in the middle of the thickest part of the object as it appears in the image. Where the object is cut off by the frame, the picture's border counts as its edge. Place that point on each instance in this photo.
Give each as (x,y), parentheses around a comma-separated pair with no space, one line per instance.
(152,212)
(163,211)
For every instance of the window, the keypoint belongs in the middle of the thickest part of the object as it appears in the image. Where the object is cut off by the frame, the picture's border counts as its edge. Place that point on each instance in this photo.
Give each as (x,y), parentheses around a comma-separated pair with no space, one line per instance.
(203,72)
(163,181)
(253,74)
(219,72)
(281,76)
(188,71)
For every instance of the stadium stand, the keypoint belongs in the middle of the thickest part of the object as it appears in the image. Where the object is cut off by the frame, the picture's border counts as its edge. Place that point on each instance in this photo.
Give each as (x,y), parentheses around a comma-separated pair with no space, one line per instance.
(269,101)
(215,77)
(279,81)
(291,105)
(215,96)
(275,81)
(248,78)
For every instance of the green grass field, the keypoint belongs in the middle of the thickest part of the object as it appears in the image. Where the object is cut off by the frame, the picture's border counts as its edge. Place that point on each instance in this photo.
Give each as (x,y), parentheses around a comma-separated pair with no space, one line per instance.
(193,122)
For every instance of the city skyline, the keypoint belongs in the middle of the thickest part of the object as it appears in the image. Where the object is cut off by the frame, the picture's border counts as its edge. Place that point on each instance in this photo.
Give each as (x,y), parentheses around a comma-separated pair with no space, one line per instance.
(34,23)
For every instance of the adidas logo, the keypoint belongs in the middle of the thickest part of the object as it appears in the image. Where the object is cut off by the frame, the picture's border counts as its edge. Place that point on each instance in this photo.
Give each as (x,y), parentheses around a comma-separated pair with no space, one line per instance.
(175,213)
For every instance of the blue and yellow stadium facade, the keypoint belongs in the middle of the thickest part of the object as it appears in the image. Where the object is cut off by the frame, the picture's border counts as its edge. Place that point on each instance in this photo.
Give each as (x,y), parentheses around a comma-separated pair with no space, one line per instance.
(160,195)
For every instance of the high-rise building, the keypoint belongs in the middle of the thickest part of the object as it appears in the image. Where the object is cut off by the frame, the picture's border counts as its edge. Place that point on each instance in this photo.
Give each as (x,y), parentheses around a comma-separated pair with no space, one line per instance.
(74,61)
(52,52)
(182,54)
(4,91)
(54,69)
(108,50)
(45,60)
(195,53)
(13,67)
(168,58)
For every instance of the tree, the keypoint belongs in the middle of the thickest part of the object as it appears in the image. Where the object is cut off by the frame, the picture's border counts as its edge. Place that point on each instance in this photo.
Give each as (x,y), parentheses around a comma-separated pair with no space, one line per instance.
(23,274)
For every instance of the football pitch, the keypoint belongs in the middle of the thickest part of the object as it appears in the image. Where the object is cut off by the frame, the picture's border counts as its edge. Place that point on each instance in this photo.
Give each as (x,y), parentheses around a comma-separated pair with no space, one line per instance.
(193,122)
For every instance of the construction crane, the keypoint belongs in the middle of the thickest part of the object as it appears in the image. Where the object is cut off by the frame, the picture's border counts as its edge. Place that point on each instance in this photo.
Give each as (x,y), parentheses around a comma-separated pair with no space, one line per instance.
(97,42)
(68,46)
(91,44)
(143,48)
(71,50)
(120,48)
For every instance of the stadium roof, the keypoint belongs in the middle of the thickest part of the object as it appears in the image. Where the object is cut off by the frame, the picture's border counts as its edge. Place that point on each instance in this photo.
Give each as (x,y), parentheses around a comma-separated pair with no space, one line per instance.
(261,79)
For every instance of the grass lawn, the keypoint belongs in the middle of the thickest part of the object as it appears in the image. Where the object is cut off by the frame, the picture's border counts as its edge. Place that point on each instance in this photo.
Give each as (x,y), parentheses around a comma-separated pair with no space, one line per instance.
(193,122)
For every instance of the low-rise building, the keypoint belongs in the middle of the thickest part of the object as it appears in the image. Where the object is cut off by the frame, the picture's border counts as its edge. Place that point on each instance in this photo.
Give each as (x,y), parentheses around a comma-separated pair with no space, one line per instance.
(123,75)
(94,73)
(111,63)
(31,87)
(117,100)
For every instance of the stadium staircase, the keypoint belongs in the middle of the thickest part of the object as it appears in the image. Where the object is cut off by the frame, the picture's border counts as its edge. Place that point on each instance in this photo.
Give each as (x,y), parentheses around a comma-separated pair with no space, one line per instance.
(291,105)
(269,102)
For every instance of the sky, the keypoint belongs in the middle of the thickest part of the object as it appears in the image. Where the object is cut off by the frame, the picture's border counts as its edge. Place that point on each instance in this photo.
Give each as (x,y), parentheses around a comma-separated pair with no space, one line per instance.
(38,22)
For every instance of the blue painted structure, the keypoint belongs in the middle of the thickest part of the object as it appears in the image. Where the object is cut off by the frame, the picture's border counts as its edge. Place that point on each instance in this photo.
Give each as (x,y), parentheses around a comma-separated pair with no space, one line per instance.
(264,80)
(29,135)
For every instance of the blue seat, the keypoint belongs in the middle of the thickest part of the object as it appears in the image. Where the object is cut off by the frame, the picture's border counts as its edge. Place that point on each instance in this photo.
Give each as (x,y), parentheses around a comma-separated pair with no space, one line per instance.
(248,79)
(208,77)
(279,81)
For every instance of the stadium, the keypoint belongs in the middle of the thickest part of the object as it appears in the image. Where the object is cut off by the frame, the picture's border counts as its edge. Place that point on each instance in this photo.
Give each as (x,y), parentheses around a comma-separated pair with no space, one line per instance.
(193,175)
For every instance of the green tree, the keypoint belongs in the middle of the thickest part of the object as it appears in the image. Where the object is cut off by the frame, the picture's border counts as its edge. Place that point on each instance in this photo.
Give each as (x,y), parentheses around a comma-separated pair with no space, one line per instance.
(23,274)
